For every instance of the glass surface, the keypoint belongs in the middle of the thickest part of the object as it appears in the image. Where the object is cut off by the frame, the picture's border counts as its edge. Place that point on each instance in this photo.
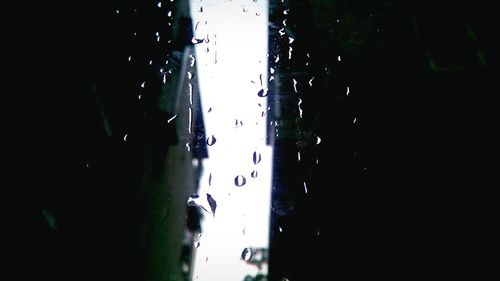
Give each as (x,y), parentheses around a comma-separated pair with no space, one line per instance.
(251,139)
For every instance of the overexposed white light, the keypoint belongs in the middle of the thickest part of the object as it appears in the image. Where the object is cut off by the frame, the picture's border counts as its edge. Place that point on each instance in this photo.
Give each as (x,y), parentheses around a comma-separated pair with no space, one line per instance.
(231,45)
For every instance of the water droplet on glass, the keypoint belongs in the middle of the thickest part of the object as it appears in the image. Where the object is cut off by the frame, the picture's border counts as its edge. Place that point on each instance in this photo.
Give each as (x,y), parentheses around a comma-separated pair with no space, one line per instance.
(172,118)
(212,203)
(211,140)
(256,157)
(196,40)
(318,140)
(262,93)
(240,180)
(311,82)
(254,174)
(300,108)
(246,255)
(196,201)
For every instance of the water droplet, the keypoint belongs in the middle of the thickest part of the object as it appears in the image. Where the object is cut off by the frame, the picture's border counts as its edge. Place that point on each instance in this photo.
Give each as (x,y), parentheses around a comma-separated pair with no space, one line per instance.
(211,140)
(246,255)
(311,82)
(212,203)
(318,140)
(254,174)
(172,118)
(256,157)
(262,93)
(300,108)
(196,201)
(240,180)
(196,40)
(347,93)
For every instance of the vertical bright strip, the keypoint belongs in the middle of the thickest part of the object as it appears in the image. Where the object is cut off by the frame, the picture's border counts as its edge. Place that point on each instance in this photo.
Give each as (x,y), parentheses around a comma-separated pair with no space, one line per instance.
(231,45)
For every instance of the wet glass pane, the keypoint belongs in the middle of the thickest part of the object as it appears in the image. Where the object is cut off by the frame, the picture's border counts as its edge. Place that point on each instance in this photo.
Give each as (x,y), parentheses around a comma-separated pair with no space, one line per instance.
(251,139)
